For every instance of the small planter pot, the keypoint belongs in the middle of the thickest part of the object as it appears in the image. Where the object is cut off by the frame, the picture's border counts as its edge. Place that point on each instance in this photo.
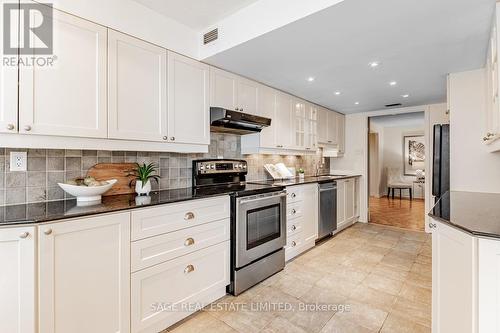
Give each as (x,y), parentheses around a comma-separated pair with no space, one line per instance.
(142,190)
(301,176)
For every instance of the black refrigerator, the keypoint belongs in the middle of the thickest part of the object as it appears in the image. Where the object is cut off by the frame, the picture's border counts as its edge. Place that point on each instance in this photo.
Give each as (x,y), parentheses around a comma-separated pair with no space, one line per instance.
(441,161)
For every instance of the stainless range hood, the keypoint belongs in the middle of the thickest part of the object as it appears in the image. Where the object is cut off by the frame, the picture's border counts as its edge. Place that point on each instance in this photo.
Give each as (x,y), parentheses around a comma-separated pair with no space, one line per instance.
(229,121)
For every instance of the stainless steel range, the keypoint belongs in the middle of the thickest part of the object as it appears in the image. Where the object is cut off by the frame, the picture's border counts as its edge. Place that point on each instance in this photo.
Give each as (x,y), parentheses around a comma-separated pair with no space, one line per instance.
(258,220)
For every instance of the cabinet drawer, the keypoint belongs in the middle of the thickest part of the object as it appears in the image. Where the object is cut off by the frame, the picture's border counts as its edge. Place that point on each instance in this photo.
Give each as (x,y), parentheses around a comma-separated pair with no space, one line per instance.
(155,250)
(163,294)
(293,227)
(159,220)
(294,194)
(294,210)
(293,246)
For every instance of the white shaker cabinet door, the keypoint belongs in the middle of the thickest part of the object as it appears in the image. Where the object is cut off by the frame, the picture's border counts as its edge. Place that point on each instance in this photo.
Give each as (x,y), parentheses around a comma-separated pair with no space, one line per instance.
(8,79)
(188,100)
(247,96)
(284,120)
(68,98)
(137,89)
(267,106)
(223,87)
(17,280)
(84,275)
(322,125)
(332,127)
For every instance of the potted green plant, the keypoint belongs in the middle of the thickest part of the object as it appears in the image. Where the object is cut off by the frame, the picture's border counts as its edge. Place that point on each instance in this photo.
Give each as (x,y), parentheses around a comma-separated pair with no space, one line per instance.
(144,173)
(301,173)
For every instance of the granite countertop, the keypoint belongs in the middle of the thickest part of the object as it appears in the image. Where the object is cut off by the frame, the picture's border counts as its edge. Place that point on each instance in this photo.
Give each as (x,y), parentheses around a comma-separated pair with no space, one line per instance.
(472,212)
(34,213)
(305,180)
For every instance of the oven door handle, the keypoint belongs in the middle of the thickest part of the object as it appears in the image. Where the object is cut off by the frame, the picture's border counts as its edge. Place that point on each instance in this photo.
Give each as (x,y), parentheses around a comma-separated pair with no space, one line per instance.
(280,195)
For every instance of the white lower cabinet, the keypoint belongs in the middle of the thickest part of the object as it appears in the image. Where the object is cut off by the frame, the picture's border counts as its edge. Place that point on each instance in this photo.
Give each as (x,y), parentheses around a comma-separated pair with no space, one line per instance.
(347,202)
(17,280)
(164,294)
(489,285)
(84,275)
(302,219)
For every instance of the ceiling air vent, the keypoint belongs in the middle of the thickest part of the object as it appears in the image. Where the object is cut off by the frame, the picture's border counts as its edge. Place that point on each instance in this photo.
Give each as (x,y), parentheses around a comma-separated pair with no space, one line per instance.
(211,36)
(393,105)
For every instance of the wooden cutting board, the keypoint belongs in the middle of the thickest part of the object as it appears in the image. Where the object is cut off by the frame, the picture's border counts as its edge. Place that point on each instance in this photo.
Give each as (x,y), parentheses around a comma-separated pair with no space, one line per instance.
(122,172)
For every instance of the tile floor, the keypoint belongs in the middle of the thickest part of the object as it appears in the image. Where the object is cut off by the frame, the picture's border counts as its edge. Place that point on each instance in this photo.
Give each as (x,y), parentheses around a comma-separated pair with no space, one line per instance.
(380,275)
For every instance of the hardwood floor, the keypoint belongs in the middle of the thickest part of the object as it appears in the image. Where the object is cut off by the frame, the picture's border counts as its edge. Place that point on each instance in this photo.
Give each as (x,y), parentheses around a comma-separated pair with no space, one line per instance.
(401,213)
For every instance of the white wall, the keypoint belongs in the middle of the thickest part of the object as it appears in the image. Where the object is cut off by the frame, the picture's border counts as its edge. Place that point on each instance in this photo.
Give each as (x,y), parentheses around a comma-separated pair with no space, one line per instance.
(355,159)
(139,21)
(472,167)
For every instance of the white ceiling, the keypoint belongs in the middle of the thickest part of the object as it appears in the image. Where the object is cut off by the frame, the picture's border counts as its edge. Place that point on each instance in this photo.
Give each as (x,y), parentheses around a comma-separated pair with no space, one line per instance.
(196,14)
(416,42)
(413,119)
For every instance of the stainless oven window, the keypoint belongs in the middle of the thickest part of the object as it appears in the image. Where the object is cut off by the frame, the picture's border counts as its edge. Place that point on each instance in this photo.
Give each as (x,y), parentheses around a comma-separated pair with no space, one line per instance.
(263,225)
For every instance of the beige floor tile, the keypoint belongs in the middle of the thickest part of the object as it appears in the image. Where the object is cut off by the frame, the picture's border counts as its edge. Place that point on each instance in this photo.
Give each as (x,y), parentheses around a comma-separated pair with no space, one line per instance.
(339,324)
(417,312)
(419,280)
(397,261)
(293,286)
(383,283)
(247,320)
(423,259)
(390,272)
(397,324)
(422,269)
(201,322)
(281,325)
(417,294)
(310,321)
(373,297)
(408,246)
(338,286)
(363,315)
(324,296)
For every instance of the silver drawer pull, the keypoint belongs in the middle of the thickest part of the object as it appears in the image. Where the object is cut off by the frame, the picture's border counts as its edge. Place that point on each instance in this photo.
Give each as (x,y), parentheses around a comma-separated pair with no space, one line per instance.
(24,235)
(189,216)
(48,231)
(189,242)
(294,227)
(189,269)
(293,243)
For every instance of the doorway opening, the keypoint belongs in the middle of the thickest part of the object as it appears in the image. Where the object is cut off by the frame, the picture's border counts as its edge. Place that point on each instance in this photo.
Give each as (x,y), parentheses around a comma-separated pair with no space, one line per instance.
(396,155)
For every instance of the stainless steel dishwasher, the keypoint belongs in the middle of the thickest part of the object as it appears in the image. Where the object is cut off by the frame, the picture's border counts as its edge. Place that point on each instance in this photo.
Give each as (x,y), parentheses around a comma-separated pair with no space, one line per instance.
(327,209)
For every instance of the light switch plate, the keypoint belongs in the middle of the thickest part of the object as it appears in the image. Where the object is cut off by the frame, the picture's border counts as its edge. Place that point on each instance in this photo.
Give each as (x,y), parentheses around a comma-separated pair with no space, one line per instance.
(18,161)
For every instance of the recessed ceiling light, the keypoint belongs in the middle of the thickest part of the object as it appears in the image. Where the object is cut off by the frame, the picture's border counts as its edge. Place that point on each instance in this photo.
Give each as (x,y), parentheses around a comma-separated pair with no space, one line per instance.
(310,79)
(393,83)
(356,103)
(405,95)
(374,64)
(337,93)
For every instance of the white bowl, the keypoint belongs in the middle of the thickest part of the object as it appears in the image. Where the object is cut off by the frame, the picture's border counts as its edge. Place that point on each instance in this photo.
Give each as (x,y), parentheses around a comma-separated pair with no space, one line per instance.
(85,194)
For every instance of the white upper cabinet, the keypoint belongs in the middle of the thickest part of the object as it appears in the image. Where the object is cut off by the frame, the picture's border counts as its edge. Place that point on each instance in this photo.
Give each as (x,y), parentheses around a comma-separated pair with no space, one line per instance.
(223,87)
(188,100)
(8,82)
(69,98)
(84,275)
(311,127)
(341,133)
(233,92)
(284,116)
(267,106)
(322,125)
(137,89)
(332,127)
(17,287)
(248,96)
(299,117)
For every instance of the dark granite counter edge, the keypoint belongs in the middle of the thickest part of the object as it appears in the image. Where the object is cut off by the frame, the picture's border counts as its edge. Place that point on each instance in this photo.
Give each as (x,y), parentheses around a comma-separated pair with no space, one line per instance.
(97,211)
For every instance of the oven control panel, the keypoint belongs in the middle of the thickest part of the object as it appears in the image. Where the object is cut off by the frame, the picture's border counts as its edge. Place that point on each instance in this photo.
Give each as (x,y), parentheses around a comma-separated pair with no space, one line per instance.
(220,166)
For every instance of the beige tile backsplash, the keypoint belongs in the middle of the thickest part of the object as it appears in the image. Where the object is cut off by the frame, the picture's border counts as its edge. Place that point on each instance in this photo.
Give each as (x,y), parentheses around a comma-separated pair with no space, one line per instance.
(47,167)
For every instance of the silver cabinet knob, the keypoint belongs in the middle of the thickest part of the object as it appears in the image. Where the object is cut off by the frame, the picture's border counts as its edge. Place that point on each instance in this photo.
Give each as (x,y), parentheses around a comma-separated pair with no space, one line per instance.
(172,138)
(11,127)
(432,225)
(48,231)
(294,228)
(293,195)
(165,138)
(27,128)
(189,216)
(294,211)
(24,235)
(189,242)
(189,269)
(294,244)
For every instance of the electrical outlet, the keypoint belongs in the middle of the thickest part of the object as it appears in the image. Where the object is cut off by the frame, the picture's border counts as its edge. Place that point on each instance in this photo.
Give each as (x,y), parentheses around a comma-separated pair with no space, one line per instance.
(18,161)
